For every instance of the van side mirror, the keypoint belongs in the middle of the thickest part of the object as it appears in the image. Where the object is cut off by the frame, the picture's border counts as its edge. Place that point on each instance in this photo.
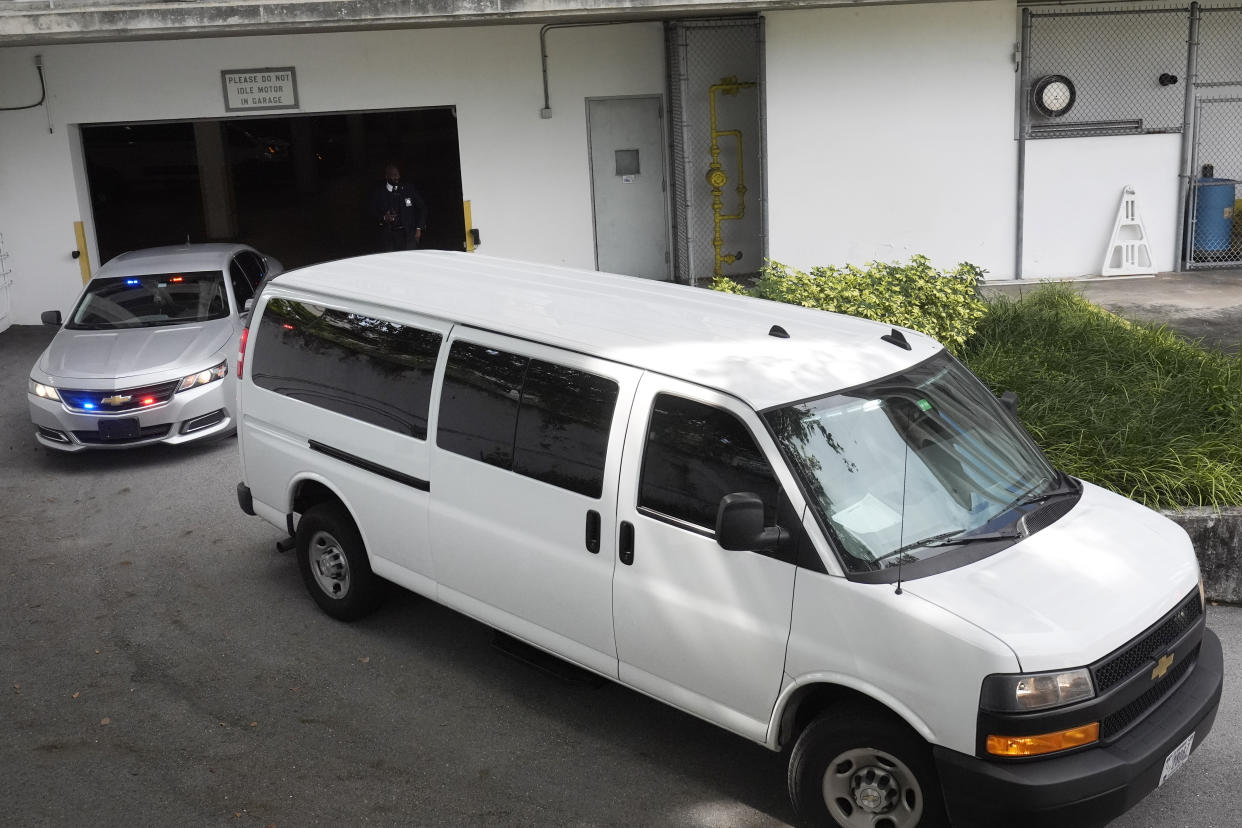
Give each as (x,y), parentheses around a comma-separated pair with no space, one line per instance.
(51,318)
(739,525)
(1010,400)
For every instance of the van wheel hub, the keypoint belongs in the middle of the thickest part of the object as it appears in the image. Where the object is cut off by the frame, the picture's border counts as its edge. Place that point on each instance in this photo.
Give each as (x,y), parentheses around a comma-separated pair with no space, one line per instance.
(867,787)
(329,565)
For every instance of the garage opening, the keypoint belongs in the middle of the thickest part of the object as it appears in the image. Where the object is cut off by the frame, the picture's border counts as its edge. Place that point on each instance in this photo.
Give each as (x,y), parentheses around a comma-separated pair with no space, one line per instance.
(296,187)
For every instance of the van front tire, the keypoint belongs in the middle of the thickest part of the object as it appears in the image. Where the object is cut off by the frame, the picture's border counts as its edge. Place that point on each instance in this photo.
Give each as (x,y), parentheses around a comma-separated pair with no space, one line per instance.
(855,768)
(334,564)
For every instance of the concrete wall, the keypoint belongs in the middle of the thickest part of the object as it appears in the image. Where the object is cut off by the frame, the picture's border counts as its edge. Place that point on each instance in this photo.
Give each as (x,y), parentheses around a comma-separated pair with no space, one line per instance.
(1073,190)
(527,177)
(891,132)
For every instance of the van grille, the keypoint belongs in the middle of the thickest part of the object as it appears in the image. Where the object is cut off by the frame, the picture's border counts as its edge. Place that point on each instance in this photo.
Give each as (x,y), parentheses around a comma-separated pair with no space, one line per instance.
(1151,645)
(1135,710)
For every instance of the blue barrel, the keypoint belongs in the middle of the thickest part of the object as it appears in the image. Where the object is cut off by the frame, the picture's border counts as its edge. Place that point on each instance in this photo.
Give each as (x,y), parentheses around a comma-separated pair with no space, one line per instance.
(1214,214)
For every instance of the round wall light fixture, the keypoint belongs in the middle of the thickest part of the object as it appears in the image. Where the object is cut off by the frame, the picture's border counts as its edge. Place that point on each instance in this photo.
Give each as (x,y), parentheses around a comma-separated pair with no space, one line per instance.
(1053,95)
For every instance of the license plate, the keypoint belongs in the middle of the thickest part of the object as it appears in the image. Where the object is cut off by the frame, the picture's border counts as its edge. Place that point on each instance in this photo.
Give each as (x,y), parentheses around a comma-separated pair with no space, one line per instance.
(1177,758)
(125,428)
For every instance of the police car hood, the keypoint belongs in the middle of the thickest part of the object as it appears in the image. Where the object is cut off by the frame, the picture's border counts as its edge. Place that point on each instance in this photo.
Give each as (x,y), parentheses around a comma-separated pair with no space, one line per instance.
(132,352)
(1077,590)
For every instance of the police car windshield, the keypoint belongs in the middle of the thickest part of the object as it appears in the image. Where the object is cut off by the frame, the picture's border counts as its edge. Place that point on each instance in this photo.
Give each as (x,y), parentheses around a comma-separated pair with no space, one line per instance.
(151,300)
(913,465)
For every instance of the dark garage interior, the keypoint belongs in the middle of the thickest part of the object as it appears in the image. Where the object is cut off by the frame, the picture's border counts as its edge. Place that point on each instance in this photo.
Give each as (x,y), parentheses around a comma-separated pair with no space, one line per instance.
(295,187)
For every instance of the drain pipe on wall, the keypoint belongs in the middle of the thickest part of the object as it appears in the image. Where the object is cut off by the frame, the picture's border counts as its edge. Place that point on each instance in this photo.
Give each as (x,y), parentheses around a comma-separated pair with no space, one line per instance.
(1024,94)
(546,112)
(1186,173)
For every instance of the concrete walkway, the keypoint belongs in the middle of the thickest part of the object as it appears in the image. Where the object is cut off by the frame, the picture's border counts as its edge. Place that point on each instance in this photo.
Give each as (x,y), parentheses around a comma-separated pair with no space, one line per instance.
(1203,304)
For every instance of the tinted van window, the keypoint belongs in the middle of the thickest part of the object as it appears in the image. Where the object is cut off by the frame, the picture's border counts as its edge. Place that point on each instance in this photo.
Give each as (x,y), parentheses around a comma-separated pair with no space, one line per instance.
(542,420)
(562,427)
(478,406)
(695,455)
(370,369)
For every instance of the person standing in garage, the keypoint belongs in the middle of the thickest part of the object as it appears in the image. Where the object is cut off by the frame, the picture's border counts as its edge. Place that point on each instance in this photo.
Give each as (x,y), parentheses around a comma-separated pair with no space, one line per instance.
(399,211)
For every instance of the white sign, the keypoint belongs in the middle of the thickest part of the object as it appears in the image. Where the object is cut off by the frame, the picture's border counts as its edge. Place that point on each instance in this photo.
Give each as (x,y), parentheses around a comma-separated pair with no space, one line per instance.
(250,89)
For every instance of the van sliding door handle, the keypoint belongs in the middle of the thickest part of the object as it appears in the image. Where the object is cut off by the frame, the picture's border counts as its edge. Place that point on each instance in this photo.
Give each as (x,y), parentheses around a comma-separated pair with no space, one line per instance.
(592,532)
(625,546)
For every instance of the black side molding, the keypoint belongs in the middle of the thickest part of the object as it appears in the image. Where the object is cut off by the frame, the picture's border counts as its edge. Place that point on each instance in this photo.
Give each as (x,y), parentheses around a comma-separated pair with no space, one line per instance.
(367,465)
(244,500)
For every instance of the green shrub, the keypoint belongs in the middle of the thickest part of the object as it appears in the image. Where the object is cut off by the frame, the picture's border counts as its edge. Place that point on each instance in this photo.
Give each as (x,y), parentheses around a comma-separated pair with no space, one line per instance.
(943,305)
(1132,407)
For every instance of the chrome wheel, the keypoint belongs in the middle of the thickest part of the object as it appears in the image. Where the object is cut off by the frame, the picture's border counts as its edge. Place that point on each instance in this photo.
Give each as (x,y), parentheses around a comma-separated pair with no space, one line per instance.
(329,565)
(867,788)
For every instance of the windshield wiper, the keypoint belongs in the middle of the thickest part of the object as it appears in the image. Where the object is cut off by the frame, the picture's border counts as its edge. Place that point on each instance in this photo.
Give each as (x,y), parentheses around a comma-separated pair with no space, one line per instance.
(1064,488)
(956,537)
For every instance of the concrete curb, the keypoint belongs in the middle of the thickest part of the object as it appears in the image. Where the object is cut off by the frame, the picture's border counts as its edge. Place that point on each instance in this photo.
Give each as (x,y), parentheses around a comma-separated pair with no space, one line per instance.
(1217,536)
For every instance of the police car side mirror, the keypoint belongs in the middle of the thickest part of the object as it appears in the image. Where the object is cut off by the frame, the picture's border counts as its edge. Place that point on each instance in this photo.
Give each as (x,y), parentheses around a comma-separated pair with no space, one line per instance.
(51,317)
(739,525)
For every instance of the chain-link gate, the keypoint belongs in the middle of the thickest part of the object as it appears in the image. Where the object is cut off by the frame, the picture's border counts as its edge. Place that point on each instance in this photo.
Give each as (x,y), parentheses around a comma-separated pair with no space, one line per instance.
(715,120)
(1085,74)
(1214,237)
(1109,71)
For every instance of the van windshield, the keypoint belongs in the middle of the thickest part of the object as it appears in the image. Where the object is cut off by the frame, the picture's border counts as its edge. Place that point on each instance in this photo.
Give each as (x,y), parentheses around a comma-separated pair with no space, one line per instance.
(906,468)
(150,300)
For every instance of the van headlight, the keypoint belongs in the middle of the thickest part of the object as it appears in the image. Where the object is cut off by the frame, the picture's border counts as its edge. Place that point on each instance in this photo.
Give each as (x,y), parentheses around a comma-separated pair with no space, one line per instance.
(47,392)
(1036,691)
(216,372)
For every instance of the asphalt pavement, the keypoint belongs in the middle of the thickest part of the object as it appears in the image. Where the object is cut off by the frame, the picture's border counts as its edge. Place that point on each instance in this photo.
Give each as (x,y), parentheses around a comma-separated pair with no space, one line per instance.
(163,666)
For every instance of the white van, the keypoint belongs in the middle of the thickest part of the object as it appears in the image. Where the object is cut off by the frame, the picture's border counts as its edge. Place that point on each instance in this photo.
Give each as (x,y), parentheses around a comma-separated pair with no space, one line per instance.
(812,530)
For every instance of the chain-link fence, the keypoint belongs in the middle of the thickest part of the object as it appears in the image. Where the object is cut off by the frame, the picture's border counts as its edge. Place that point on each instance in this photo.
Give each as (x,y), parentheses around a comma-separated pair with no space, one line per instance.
(1123,71)
(1220,47)
(1216,234)
(1104,72)
(717,147)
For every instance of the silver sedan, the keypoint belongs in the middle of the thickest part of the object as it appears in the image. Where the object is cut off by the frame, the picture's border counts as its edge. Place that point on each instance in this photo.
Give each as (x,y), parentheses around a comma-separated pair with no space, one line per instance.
(144,355)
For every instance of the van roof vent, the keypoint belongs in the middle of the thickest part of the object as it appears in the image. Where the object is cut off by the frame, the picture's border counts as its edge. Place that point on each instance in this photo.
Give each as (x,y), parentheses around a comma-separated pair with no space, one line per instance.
(896,338)
(778,332)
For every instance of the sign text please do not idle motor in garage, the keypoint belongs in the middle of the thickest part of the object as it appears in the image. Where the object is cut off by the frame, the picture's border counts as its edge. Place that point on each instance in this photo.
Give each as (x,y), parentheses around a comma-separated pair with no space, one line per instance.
(252,89)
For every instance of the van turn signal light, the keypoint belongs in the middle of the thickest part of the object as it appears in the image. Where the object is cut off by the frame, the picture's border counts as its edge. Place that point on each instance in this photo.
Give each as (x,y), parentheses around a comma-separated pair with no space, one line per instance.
(1044,743)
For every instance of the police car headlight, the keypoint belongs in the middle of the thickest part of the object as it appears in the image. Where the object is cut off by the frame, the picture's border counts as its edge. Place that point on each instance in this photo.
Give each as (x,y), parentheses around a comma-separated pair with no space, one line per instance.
(212,374)
(47,392)
(1036,691)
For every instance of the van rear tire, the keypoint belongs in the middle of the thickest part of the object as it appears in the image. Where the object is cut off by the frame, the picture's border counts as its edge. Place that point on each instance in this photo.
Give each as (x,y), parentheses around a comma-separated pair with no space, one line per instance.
(854,767)
(334,564)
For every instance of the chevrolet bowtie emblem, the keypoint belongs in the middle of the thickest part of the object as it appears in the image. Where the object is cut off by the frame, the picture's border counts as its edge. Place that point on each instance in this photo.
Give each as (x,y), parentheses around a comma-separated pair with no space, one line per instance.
(1162,667)
(116,399)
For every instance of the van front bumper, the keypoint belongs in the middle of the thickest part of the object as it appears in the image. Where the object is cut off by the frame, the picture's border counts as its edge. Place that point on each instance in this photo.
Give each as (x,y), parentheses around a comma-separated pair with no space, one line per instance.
(1091,787)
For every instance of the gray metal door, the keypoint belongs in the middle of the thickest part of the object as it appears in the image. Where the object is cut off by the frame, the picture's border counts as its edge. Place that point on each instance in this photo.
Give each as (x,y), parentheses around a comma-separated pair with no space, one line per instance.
(627,186)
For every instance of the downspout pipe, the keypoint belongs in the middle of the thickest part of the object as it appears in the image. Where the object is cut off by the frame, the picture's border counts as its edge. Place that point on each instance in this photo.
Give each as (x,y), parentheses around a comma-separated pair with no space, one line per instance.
(546,112)
(1024,96)
(1186,173)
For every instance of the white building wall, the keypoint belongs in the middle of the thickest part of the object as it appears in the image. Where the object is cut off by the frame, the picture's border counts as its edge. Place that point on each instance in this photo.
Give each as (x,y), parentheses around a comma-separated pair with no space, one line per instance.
(526,177)
(1073,190)
(891,133)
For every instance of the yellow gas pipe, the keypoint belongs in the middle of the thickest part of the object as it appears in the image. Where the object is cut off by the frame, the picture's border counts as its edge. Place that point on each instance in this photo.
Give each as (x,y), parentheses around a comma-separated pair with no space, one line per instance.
(716,177)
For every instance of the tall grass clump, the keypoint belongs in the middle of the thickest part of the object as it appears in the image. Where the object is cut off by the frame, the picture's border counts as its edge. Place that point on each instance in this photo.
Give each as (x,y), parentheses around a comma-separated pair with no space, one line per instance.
(1132,407)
